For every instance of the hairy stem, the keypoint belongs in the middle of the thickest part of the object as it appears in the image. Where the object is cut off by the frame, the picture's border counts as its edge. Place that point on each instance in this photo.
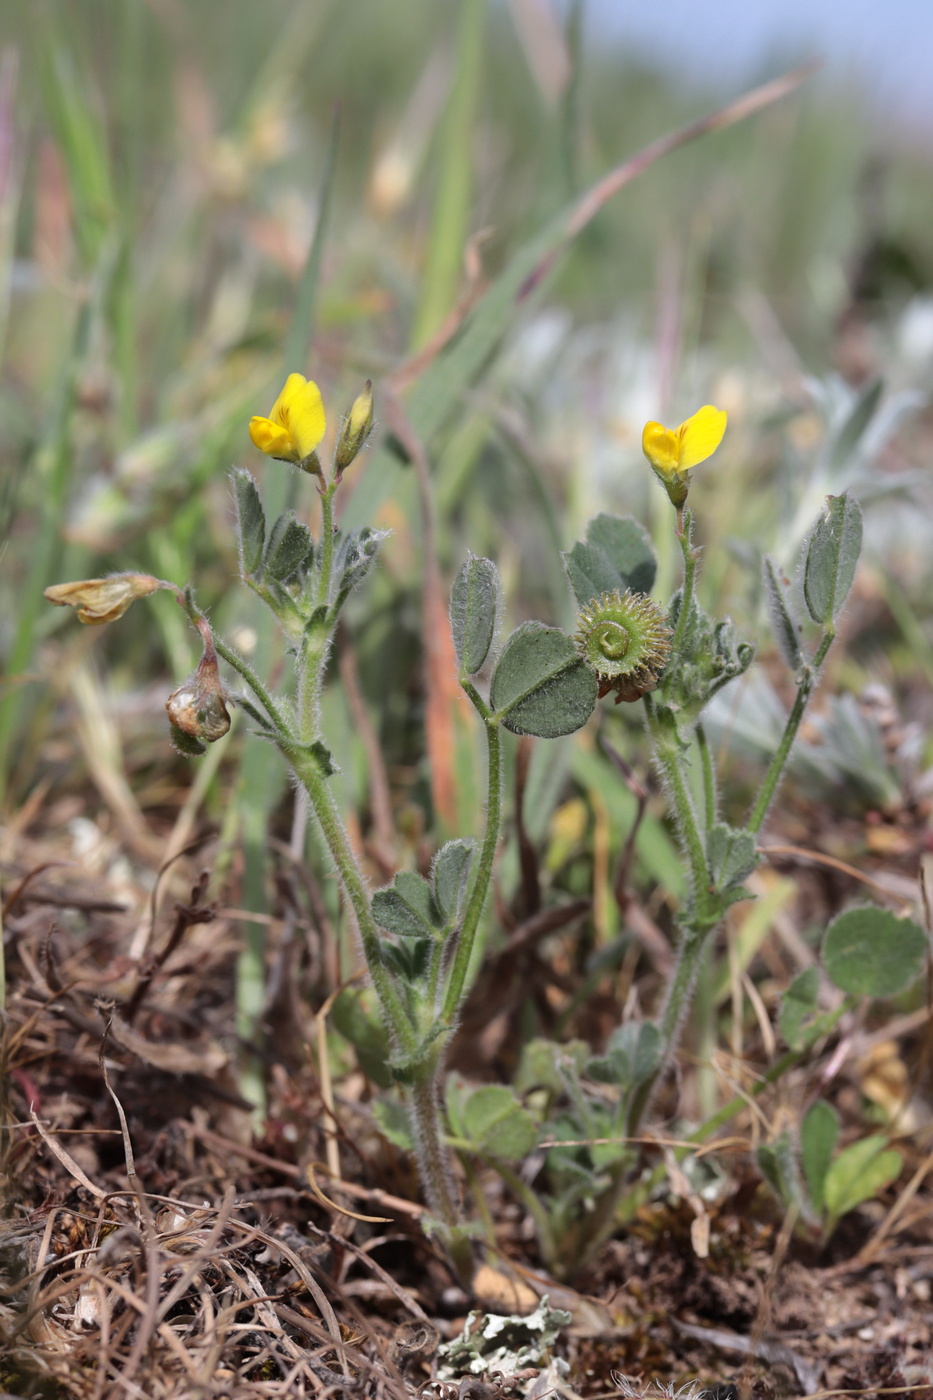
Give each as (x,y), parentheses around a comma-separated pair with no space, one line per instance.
(670,762)
(691,557)
(434,1167)
(676,1006)
(805,689)
(315,643)
(432,1154)
(706,911)
(327,544)
(709,778)
(313,659)
(250,677)
(325,809)
(487,858)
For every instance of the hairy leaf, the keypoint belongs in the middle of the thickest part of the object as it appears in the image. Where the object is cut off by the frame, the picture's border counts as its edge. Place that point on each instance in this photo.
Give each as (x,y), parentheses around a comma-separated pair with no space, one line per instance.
(832,556)
(541,685)
(475,602)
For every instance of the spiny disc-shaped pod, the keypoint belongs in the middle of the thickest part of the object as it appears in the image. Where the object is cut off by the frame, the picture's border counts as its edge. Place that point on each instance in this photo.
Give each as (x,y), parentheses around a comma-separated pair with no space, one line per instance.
(626,640)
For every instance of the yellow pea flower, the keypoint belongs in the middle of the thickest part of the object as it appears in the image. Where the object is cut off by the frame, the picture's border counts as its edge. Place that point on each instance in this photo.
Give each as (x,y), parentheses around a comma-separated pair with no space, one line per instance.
(673,451)
(295,425)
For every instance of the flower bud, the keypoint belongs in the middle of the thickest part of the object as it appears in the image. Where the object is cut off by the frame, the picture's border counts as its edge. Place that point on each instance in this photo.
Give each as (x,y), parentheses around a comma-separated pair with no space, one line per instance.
(356,429)
(100,600)
(198,707)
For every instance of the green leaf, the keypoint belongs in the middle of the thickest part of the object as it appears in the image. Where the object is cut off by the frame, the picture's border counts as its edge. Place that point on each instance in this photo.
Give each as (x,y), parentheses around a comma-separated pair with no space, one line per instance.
(852,430)
(496,1124)
(778,1163)
(250,522)
(859,1172)
(871,952)
(632,1056)
(409,959)
(798,1006)
(785,629)
(547,1064)
(450,871)
(354,556)
(456,1092)
(319,752)
(818,1136)
(407,907)
(832,555)
(649,1048)
(627,545)
(324,757)
(768,1166)
(541,685)
(731,856)
(392,1121)
(475,602)
(617,554)
(290,546)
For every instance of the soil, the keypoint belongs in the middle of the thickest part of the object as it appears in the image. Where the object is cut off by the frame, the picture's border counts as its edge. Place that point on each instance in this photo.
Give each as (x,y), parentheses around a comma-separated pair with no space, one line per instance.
(157,1240)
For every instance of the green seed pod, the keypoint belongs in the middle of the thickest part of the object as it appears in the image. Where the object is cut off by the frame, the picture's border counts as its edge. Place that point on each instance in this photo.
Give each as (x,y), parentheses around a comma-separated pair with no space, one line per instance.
(626,640)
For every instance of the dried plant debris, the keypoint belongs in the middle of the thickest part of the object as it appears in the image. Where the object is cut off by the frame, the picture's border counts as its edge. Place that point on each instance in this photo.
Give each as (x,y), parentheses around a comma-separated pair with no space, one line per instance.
(631,1389)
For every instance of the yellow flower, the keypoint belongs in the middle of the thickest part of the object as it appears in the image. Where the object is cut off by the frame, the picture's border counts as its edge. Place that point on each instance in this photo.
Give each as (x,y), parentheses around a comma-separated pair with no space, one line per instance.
(296,424)
(673,451)
(100,600)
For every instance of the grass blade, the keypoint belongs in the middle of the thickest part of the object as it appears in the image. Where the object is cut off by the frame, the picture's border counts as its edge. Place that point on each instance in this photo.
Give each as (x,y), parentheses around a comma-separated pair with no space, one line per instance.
(462,361)
(451,218)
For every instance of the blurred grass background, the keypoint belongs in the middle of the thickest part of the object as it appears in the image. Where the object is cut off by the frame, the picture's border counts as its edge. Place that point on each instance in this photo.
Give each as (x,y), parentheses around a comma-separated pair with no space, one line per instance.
(164,173)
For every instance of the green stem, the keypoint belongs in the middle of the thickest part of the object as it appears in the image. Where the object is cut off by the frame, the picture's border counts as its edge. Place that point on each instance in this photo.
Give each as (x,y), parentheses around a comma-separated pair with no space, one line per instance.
(487,858)
(691,556)
(256,685)
(311,666)
(435,967)
(434,1164)
(709,778)
(325,809)
(804,691)
(327,544)
(535,1208)
(316,642)
(595,1228)
(432,1154)
(671,764)
(676,1006)
(238,664)
(706,912)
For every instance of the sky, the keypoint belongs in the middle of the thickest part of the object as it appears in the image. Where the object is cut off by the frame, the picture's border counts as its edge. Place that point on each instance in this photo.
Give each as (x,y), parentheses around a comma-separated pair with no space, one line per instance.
(887,43)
